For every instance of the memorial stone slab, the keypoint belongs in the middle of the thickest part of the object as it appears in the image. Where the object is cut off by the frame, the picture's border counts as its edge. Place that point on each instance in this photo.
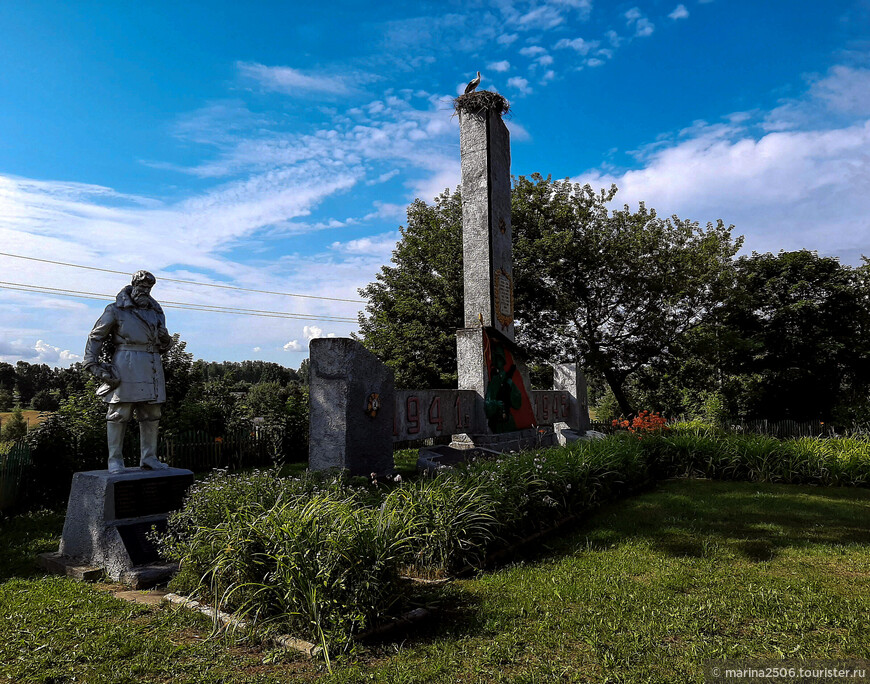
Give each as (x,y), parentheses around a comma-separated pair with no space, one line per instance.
(352,408)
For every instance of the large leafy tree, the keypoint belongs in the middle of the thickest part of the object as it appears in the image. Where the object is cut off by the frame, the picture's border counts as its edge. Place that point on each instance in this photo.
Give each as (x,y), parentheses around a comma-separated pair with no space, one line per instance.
(612,289)
(415,305)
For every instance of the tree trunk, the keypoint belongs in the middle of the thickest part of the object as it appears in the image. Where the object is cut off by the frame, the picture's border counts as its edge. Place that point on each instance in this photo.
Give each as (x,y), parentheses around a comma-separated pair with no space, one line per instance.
(618,393)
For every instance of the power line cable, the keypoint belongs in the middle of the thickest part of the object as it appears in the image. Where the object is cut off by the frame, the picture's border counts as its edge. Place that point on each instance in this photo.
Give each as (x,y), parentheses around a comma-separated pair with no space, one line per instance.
(77,294)
(186,282)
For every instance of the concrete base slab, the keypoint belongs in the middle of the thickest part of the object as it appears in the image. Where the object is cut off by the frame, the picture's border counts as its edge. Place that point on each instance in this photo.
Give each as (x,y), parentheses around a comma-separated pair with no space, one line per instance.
(435,458)
(57,564)
(146,576)
(520,440)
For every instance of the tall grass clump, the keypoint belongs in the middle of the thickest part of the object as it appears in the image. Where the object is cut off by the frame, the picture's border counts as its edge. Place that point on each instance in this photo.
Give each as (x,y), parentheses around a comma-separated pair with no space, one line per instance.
(313,561)
(532,490)
(698,452)
(449,521)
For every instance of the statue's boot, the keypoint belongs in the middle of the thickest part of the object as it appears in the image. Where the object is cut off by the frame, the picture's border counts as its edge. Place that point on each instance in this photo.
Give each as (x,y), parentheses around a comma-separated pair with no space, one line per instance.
(148,442)
(115,431)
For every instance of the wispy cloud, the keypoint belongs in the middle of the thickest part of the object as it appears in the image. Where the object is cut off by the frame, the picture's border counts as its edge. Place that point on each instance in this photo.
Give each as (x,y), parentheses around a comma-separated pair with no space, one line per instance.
(520,84)
(579,45)
(680,12)
(380,245)
(283,79)
(532,51)
(642,26)
(500,67)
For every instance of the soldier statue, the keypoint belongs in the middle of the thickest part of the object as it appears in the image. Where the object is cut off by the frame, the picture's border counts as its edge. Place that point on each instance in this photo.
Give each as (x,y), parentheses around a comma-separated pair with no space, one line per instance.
(133,381)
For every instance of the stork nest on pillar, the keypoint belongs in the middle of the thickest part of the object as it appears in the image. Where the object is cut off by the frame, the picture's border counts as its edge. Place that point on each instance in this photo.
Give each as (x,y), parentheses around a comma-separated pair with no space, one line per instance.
(482,101)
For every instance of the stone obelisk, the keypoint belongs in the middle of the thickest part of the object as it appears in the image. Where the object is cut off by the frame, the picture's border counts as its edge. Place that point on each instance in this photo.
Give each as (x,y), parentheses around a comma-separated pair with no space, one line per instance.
(484,143)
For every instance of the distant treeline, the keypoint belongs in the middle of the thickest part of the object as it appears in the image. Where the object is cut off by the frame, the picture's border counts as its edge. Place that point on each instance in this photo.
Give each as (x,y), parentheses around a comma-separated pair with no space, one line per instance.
(41,387)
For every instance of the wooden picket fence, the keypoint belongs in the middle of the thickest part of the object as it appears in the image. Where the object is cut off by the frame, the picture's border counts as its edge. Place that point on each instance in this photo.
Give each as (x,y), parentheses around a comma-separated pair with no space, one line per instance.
(14,463)
(245,448)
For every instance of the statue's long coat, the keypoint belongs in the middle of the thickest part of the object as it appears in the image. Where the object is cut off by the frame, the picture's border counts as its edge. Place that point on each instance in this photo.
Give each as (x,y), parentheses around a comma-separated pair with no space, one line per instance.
(140,372)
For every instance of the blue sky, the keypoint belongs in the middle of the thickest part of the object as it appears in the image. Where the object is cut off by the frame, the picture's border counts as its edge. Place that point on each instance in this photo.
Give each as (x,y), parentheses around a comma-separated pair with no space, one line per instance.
(275,146)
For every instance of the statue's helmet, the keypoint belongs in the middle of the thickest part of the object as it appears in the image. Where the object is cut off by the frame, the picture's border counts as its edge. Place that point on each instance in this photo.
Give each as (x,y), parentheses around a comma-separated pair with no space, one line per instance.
(143,278)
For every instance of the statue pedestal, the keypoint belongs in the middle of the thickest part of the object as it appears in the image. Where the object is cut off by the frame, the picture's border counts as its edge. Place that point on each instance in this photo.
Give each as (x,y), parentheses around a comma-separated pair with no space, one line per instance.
(108,519)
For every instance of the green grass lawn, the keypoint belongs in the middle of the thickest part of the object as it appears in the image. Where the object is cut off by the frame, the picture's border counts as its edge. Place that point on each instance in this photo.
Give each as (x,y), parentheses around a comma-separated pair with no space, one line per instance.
(645,590)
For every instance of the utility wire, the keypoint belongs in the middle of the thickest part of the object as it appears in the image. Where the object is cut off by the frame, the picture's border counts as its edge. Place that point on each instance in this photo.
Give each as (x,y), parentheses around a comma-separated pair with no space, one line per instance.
(186,282)
(77,294)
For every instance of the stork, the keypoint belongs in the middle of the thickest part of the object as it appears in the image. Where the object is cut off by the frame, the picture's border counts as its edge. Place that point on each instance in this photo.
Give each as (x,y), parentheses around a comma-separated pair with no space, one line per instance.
(472,84)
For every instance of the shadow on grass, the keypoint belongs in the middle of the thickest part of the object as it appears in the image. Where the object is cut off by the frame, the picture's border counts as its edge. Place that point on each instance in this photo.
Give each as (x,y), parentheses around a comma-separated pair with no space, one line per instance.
(455,614)
(24,536)
(753,521)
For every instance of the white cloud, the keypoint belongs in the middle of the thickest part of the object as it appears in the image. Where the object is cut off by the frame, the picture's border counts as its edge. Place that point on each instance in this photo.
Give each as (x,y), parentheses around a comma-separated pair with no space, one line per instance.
(256,350)
(642,26)
(544,60)
(541,17)
(614,38)
(532,51)
(843,93)
(784,190)
(500,67)
(313,332)
(417,41)
(40,352)
(381,245)
(593,62)
(844,90)
(385,210)
(680,12)
(577,44)
(520,84)
(384,177)
(291,346)
(507,38)
(291,81)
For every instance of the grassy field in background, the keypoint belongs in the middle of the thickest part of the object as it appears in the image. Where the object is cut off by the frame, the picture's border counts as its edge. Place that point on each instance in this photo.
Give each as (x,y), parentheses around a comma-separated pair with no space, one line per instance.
(33,418)
(645,590)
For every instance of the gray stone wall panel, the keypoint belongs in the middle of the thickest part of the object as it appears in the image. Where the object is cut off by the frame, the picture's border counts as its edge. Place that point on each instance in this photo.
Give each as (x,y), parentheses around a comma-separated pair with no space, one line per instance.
(342,434)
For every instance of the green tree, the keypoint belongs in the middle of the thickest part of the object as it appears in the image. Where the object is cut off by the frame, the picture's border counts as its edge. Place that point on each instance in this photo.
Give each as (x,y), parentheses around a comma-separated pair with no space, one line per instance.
(415,305)
(615,289)
(791,341)
(6,402)
(14,428)
(304,371)
(45,400)
(266,400)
